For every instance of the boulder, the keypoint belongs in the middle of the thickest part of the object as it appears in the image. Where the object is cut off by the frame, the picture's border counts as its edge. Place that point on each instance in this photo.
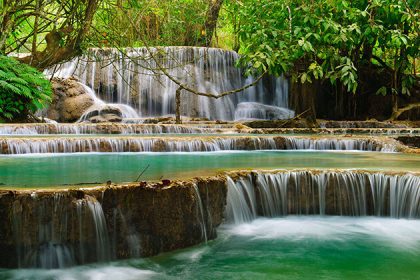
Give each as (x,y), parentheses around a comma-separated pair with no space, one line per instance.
(70,100)
(103,112)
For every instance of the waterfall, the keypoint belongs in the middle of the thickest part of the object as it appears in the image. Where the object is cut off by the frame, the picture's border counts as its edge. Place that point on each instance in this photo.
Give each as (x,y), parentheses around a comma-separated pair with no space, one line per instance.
(99,106)
(74,145)
(93,208)
(142,128)
(61,241)
(253,110)
(200,213)
(130,78)
(241,203)
(320,193)
(50,249)
(122,226)
(84,128)
(194,144)
(298,143)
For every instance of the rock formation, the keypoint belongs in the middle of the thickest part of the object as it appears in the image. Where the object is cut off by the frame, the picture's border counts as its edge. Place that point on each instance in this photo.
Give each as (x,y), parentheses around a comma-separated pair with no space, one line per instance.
(70,100)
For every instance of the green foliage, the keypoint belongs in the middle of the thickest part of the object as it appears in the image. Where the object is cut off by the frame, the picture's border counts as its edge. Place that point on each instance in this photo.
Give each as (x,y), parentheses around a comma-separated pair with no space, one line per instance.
(22,89)
(332,39)
(159,22)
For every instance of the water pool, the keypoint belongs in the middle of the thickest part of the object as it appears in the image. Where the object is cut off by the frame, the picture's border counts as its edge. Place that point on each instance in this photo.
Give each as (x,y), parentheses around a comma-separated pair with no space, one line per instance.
(45,170)
(294,247)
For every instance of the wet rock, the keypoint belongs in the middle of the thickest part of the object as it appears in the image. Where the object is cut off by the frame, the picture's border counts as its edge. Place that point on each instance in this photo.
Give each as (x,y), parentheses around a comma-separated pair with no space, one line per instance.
(105,223)
(410,141)
(70,100)
(102,112)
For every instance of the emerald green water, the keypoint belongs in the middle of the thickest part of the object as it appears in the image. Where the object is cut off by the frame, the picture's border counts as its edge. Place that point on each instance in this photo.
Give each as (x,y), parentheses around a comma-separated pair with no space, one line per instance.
(66,169)
(282,248)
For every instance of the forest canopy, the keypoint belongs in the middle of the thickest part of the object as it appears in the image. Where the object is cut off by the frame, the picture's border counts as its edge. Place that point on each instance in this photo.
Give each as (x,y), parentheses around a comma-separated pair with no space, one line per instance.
(332,41)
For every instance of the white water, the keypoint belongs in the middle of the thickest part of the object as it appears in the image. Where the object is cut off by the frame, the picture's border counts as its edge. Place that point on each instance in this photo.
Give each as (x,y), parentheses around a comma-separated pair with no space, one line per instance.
(395,233)
(132,144)
(302,238)
(254,110)
(51,247)
(299,143)
(109,272)
(200,213)
(304,192)
(99,105)
(83,128)
(73,145)
(132,78)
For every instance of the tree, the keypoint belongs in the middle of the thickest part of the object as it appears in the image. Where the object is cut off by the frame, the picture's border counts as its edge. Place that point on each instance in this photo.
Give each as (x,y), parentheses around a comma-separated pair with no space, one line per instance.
(161,23)
(209,26)
(52,31)
(333,41)
(160,69)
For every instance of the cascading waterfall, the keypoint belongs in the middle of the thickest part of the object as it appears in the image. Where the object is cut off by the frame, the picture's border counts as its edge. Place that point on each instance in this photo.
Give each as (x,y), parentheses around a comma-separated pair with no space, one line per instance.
(130,78)
(320,193)
(73,145)
(51,249)
(80,128)
(55,246)
(200,213)
(103,250)
(241,201)
(205,144)
(139,128)
(99,105)
(121,224)
(297,143)
(254,110)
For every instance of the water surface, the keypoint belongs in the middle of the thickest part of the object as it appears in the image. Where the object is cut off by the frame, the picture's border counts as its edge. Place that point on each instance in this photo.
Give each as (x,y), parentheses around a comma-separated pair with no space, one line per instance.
(44,170)
(281,248)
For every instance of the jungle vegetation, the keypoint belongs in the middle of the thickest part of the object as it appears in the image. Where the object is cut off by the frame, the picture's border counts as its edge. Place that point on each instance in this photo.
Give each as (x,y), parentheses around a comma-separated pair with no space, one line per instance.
(334,42)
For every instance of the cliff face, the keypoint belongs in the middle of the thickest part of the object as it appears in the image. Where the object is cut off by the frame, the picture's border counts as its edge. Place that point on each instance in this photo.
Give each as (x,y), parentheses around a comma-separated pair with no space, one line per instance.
(63,228)
(164,218)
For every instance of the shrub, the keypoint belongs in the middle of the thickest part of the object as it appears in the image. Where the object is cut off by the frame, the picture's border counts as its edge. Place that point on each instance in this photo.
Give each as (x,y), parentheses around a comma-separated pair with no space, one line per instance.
(23,90)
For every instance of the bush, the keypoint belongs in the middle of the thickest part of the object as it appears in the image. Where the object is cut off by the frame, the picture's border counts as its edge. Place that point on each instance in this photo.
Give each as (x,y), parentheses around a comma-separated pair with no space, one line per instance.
(23,90)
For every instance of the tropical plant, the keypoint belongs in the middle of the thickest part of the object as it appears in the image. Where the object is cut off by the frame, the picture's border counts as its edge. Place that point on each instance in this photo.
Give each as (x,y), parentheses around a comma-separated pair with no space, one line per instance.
(52,31)
(23,89)
(332,40)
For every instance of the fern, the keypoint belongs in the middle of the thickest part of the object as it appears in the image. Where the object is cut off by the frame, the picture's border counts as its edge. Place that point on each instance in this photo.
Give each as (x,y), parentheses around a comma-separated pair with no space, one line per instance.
(22,89)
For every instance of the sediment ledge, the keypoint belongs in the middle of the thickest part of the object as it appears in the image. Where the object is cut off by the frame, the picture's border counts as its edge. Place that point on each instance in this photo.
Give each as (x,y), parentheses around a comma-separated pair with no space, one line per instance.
(19,145)
(301,123)
(59,228)
(213,127)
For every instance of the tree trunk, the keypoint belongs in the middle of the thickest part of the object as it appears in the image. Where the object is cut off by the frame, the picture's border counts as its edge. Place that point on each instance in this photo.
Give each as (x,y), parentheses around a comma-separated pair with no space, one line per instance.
(303,99)
(178,105)
(209,27)
(55,52)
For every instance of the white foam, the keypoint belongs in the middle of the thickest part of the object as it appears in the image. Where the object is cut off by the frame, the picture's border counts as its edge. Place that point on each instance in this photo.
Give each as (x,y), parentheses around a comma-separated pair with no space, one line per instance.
(85,273)
(398,233)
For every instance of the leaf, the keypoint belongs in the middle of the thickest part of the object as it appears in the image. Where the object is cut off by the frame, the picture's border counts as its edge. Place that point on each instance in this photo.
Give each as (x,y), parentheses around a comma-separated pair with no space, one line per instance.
(303,78)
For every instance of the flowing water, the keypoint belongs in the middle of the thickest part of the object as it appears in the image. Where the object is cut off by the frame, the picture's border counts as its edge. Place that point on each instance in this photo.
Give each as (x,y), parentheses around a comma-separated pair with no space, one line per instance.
(303,192)
(132,78)
(267,234)
(294,247)
(51,248)
(66,169)
(188,143)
